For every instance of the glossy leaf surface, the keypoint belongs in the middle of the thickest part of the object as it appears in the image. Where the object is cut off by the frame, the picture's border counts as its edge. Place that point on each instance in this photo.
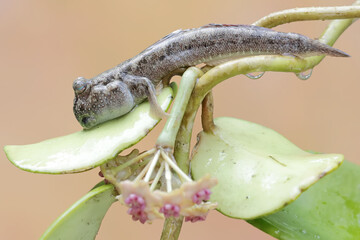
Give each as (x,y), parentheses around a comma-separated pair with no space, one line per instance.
(87,149)
(82,220)
(259,171)
(329,210)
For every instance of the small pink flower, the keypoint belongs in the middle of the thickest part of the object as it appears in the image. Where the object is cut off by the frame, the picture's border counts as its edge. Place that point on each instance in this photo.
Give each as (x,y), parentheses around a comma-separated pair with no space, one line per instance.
(143,204)
(170,210)
(199,191)
(138,215)
(135,201)
(188,200)
(137,206)
(202,195)
(198,212)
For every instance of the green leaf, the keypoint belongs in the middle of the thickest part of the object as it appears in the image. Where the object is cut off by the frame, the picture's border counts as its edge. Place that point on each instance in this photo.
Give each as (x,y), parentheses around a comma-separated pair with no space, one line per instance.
(82,220)
(329,210)
(87,149)
(259,171)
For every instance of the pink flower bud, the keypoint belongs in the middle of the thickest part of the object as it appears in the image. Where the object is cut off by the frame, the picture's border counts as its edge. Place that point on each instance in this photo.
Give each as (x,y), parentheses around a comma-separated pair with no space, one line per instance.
(138,215)
(170,210)
(135,201)
(202,195)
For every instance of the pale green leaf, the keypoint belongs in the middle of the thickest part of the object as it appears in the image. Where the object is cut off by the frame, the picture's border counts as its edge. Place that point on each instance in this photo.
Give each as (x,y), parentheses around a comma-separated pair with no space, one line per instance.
(87,149)
(328,210)
(259,171)
(82,220)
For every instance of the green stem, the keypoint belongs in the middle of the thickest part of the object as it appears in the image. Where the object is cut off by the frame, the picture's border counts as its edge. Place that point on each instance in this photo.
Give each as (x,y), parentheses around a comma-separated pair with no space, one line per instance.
(207,113)
(267,63)
(168,134)
(243,66)
(311,13)
(172,226)
(171,229)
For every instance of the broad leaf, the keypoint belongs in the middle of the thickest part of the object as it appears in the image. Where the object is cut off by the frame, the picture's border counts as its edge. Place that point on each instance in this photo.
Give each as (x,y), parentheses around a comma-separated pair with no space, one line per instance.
(259,171)
(82,220)
(329,210)
(87,149)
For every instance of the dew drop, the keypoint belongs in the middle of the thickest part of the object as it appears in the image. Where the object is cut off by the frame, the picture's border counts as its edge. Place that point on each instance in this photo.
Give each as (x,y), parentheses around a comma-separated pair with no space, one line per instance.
(304,75)
(255,75)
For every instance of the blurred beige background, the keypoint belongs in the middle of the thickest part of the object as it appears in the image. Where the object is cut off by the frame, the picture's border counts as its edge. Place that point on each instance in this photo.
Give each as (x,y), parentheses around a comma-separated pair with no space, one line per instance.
(45,45)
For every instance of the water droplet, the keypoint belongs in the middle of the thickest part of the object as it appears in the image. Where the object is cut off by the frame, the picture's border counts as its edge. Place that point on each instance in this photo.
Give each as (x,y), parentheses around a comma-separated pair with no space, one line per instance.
(255,75)
(304,75)
(317,236)
(303,231)
(277,232)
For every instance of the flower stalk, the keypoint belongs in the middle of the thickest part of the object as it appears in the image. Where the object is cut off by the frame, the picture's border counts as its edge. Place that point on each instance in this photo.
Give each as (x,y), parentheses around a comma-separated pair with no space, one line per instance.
(169,132)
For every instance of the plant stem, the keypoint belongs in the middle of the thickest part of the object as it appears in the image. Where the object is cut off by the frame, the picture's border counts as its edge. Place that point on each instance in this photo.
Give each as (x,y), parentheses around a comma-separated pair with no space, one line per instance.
(310,13)
(172,226)
(243,66)
(207,113)
(171,229)
(168,134)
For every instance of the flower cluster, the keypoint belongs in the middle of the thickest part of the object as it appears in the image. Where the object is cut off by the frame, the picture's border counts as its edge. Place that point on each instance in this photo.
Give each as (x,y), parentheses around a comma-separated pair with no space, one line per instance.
(150,194)
(145,205)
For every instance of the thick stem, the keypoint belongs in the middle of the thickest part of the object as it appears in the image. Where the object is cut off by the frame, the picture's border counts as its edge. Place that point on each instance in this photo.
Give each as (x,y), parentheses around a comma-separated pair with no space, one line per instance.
(182,143)
(168,134)
(243,66)
(218,74)
(207,113)
(171,229)
(310,13)
(172,226)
